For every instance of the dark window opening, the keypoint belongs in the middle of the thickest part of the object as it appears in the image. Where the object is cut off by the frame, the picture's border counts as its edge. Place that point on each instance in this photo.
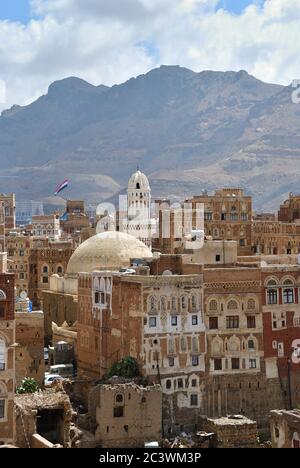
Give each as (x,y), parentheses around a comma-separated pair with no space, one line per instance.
(118,412)
(50,425)
(119,398)
(218,364)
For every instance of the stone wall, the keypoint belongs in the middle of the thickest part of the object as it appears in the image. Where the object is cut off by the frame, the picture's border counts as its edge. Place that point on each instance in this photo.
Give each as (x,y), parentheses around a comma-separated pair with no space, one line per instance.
(127,415)
(233,433)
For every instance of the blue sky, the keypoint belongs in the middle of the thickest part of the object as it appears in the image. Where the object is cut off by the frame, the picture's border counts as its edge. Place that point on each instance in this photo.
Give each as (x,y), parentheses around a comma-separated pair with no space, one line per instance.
(236,6)
(19,10)
(15,10)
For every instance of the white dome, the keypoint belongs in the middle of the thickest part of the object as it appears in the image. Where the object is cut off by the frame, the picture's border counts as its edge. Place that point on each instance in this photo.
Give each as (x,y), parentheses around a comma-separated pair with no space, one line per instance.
(138,181)
(107,251)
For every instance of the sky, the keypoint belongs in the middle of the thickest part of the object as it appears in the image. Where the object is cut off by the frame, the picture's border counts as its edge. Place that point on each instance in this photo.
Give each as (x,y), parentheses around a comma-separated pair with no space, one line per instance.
(108,42)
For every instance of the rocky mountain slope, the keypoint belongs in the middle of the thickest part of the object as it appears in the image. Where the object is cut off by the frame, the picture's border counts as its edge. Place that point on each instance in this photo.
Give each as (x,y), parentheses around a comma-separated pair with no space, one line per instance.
(188,131)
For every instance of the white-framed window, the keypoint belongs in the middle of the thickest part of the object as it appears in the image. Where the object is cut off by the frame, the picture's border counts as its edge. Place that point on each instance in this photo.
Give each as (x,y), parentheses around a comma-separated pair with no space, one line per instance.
(252,363)
(288,295)
(171,362)
(2,354)
(280,350)
(195,360)
(194,320)
(297,320)
(174,320)
(152,322)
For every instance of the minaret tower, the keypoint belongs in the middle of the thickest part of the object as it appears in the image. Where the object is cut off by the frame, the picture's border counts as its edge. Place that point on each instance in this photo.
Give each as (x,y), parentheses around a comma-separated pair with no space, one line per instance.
(139,207)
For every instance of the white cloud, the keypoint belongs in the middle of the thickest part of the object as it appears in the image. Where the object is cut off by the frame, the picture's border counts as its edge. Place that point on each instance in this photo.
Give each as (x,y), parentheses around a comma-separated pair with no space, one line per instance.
(100,41)
(2,91)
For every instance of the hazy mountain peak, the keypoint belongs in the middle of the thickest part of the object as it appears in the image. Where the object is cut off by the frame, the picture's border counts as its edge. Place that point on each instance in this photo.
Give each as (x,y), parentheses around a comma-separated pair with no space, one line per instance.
(188,130)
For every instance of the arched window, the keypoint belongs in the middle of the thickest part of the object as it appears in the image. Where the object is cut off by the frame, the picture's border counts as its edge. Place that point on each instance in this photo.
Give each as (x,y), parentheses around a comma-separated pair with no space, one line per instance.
(174,303)
(272,296)
(45,269)
(59,270)
(194,302)
(213,305)
(2,295)
(251,344)
(163,306)
(183,302)
(183,344)
(288,295)
(152,304)
(119,398)
(232,305)
(251,304)
(195,344)
(171,346)
(2,354)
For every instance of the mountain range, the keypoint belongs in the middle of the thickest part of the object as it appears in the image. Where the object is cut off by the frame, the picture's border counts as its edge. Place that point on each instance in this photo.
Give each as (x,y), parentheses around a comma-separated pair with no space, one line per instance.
(187,131)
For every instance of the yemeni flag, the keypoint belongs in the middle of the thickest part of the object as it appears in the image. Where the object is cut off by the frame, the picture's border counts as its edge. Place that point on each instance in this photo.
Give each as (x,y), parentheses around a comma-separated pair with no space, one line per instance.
(62,186)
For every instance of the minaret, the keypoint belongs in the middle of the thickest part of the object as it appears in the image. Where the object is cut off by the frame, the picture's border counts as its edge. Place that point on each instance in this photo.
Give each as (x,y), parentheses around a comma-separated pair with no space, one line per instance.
(139,207)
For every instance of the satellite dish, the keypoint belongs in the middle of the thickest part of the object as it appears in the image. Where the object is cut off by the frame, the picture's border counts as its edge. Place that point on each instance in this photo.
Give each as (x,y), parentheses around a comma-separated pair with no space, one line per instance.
(23,295)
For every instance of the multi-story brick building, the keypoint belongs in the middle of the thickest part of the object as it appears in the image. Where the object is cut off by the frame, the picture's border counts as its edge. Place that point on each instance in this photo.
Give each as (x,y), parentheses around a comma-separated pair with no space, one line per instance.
(228,216)
(30,339)
(289,211)
(236,379)
(52,258)
(75,218)
(18,249)
(9,202)
(7,353)
(46,226)
(275,237)
(164,332)
(281,317)
(7,217)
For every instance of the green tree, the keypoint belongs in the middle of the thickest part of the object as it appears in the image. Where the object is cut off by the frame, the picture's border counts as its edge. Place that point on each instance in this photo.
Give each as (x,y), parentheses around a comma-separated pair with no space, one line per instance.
(28,385)
(126,368)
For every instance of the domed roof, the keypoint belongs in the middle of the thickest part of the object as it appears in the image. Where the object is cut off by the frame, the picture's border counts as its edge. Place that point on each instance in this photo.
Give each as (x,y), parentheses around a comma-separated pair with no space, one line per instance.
(137,181)
(107,251)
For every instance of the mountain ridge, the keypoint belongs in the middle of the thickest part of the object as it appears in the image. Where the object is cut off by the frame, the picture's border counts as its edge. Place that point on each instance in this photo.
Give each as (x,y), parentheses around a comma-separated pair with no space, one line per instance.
(188,131)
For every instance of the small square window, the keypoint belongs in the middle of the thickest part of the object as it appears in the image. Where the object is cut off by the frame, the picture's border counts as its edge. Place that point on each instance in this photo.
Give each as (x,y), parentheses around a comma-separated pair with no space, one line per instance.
(152,322)
(180,383)
(251,321)
(194,400)
(195,320)
(252,363)
(195,360)
(171,362)
(218,258)
(235,363)
(174,320)
(213,323)
(194,383)
(118,412)
(217,364)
